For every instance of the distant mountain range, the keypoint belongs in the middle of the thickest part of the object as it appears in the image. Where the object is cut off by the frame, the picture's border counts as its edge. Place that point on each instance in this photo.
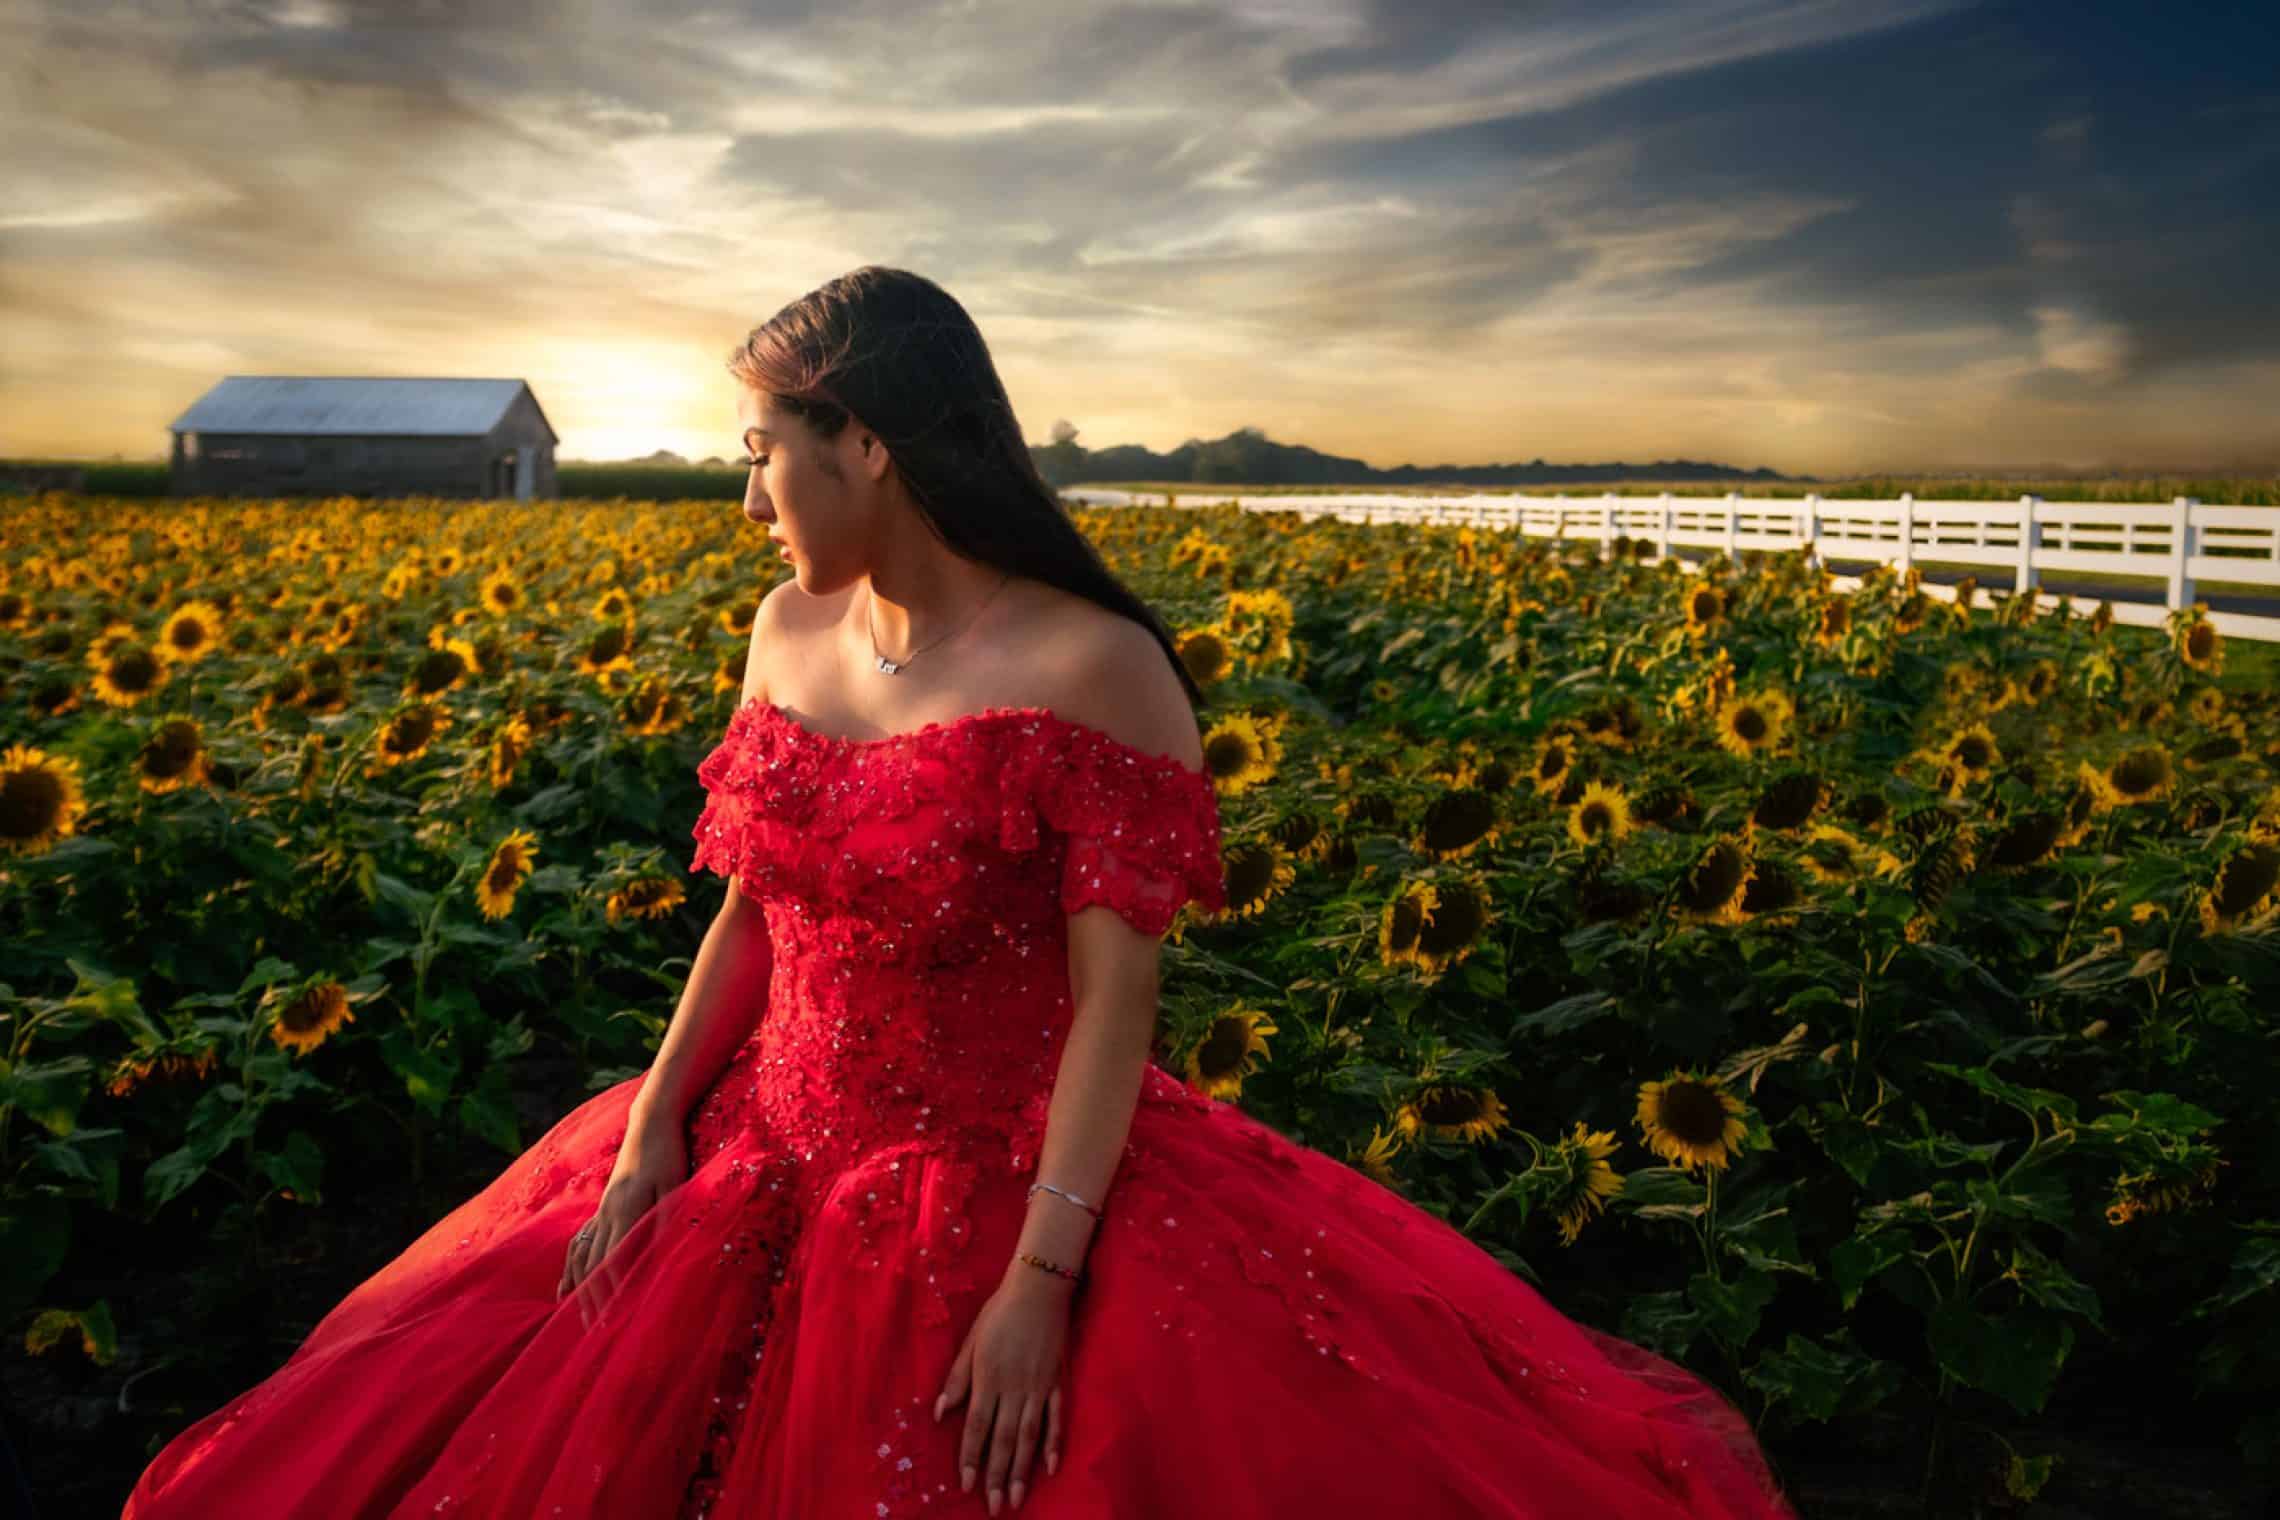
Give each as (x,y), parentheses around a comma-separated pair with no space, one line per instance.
(1248,457)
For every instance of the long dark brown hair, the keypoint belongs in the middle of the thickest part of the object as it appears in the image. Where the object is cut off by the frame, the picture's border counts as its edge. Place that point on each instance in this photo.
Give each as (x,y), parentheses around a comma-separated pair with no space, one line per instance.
(895,350)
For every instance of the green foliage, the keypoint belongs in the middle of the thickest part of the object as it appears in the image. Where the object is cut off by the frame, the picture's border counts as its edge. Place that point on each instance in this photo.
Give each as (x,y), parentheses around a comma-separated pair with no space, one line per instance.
(1999,1035)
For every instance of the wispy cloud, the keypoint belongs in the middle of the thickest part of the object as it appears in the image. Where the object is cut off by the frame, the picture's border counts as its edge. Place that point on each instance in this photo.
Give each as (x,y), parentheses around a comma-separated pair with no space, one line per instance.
(1817,236)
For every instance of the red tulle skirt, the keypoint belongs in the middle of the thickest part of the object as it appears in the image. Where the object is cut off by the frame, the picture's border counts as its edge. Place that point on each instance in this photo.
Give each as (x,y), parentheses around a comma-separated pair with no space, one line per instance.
(1262,1331)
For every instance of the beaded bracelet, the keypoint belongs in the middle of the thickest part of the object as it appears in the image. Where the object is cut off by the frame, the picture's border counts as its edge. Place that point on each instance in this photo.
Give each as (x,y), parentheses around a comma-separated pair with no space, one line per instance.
(1052,1267)
(1046,1187)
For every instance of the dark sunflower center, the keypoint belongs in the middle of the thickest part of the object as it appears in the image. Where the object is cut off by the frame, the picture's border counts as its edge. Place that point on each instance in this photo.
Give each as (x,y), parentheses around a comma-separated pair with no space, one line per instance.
(2140,771)
(1450,1105)
(1692,1113)
(1714,878)
(1223,1049)
(1749,725)
(30,802)
(2245,880)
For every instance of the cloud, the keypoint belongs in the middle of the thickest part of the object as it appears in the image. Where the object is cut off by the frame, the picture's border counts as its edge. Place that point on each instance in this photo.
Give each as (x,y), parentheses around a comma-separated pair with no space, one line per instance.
(1768,231)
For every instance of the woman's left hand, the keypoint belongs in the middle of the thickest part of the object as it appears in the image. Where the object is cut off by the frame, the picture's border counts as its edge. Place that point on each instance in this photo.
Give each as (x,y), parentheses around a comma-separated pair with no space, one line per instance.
(1011,1363)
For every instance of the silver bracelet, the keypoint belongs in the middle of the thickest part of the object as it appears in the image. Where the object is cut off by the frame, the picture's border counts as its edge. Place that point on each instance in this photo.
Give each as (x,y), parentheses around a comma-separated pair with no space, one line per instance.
(1046,1187)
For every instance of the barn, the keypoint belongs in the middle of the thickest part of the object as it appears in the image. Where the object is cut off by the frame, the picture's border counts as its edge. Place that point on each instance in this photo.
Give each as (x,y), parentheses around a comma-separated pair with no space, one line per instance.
(290,435)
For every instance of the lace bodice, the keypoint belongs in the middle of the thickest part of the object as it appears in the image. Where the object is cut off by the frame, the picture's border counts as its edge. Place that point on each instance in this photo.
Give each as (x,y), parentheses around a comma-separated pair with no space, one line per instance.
(917,890)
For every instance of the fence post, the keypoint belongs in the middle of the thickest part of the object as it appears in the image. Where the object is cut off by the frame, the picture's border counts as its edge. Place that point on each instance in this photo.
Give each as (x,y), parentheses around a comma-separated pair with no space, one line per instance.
(2030,540)
(1662,539)
(1809,528)
(1607,525)
(1559,517)
(1906,559)
(1734,527)
(2181,535)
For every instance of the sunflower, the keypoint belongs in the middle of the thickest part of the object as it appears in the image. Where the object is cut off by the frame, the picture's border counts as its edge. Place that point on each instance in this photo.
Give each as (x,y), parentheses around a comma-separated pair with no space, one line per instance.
(1258,871)
(610,647)
(1711,690)
(1754,724)
(1711,890)
(2102,619)
(1790,802)
(1972,751)
(1616,724)
(2264,828)
(505,872)
(508,746)
(1402,920)
(441,669)
(1664,803)
(612,606)
(1601,816)
(2090,797)
(1241,750)
(2227,740)
(1555,757)
(308,1015)
(2028,839)
(1376,1158)
(190,634)
(2039,682)
(408,732)
(126,669)
(2245,885)
(644,897)
(2142,775)
(1833,856)
(1769,890)
(1909,615)
(1454,928)
(174,756)
(1583,1179)
(1691,1121)
(40,800)
(501,592)
(1206,654)
(1451,1111)
(1835,620)
(1228,1052)
(2159,1191)
(2207,706)
(1705,605)
(2200,645)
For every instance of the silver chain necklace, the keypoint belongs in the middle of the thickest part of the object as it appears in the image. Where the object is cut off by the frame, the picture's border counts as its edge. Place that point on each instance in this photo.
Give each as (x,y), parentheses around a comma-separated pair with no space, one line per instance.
(896,667)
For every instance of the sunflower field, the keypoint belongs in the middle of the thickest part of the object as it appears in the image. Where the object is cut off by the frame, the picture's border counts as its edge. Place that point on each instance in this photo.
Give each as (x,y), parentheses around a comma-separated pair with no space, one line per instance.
(1864,998)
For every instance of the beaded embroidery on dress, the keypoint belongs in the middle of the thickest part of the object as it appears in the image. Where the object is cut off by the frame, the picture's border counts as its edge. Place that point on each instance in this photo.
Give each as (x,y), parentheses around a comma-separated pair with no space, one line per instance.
(1262,1330)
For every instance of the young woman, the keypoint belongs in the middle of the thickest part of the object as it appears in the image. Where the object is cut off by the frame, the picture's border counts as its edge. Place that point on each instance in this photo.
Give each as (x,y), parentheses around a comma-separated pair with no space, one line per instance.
(902,1220)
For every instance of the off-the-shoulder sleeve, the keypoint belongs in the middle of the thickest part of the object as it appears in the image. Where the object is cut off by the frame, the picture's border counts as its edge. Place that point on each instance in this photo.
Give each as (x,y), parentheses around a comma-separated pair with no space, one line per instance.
(1142,828)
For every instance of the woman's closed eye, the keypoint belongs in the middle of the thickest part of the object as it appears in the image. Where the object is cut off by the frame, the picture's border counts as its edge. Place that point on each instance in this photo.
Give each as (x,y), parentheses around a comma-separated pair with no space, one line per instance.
(757,460)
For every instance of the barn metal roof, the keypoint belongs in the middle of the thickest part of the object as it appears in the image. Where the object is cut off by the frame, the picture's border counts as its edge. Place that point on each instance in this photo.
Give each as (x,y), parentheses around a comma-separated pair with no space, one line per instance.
(449,407)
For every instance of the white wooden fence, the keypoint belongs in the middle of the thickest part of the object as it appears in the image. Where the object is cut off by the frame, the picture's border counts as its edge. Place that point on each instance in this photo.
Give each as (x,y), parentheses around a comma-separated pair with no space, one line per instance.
(2179,545)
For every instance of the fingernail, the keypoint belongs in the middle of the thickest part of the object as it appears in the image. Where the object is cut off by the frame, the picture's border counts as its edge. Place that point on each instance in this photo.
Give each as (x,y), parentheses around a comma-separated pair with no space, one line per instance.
(1052,1463)
(968,1485)
(996,1494)
(1017,1492)
(938,1409)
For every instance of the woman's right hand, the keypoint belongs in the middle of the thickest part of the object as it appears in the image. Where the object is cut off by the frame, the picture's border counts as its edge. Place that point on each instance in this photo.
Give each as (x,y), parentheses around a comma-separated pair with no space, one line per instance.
(651,1162)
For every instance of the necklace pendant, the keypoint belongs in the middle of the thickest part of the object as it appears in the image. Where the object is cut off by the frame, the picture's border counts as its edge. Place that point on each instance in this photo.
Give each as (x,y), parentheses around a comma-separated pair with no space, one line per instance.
(887,665)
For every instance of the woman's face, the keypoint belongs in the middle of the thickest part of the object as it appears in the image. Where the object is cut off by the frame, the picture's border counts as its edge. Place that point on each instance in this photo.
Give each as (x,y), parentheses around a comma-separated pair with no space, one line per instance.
(791,487)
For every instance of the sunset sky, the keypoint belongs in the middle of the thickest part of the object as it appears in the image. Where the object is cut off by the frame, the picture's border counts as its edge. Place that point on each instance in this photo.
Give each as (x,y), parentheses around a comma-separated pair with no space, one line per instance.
(1816,237)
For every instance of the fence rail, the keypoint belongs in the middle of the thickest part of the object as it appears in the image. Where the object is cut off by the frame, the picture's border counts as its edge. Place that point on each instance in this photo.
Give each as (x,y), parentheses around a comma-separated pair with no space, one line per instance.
(2179,544)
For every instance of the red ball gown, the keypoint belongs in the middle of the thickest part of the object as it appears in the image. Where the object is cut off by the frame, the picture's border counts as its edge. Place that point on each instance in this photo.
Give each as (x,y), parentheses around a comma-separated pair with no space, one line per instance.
(1262,1331)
